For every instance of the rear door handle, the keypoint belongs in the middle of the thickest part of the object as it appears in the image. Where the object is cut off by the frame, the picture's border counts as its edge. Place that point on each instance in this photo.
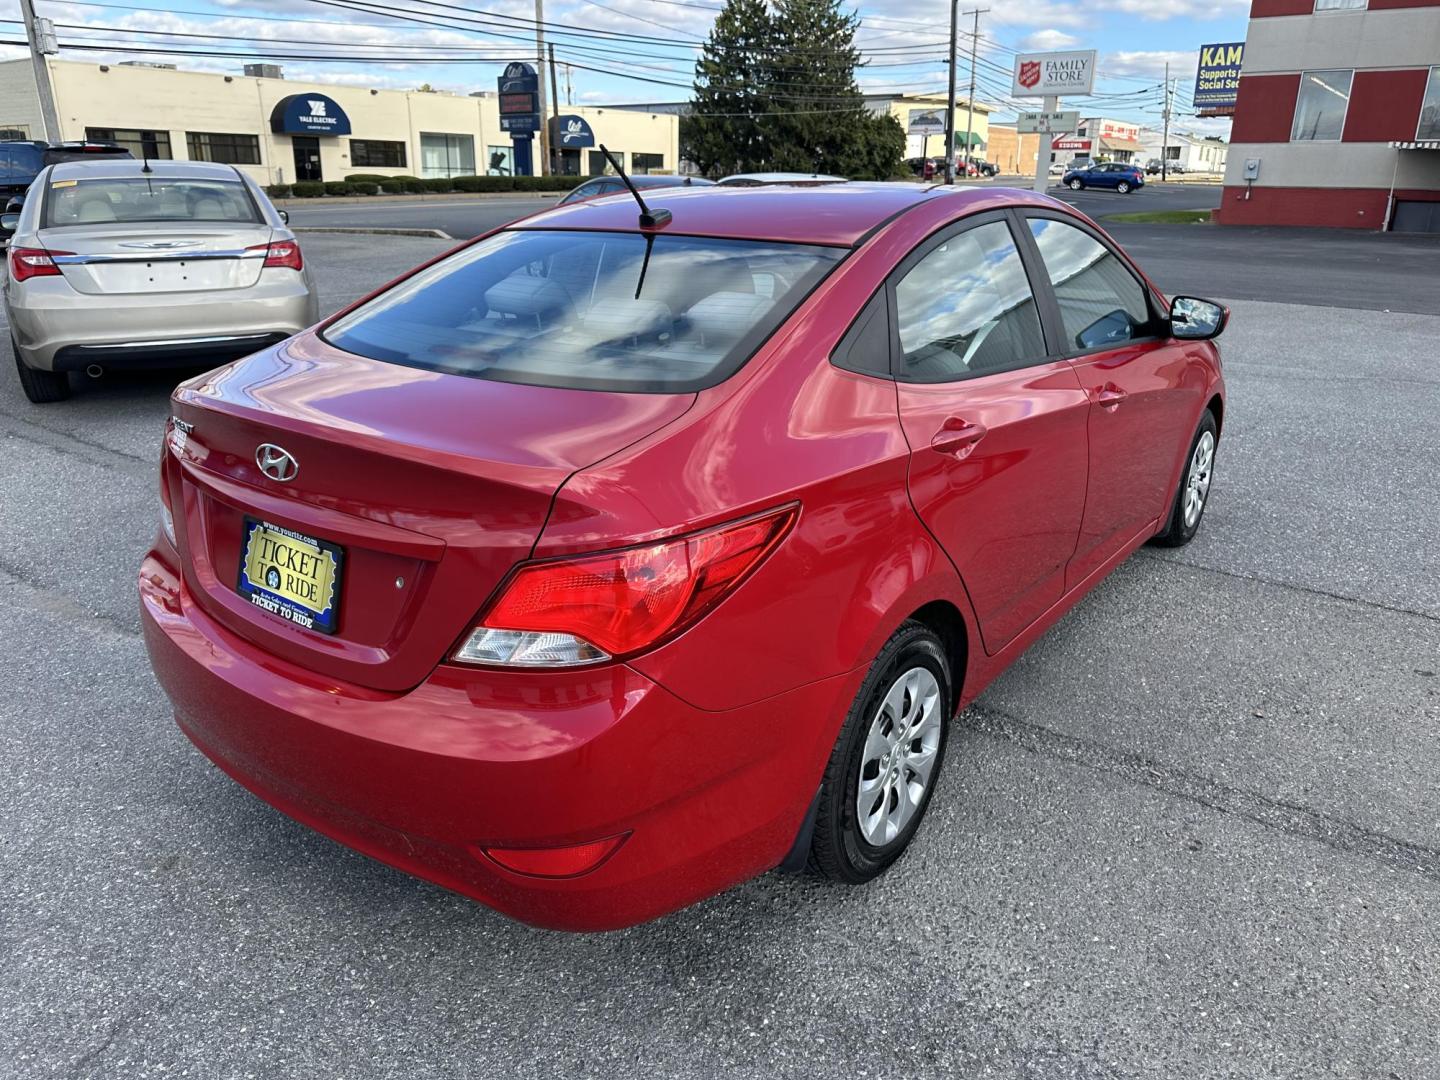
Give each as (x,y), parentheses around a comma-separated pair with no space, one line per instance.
(958,437)
(1110,396)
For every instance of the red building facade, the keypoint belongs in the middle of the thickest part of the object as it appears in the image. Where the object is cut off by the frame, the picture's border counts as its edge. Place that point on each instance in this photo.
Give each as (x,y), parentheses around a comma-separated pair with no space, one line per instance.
(1338,117)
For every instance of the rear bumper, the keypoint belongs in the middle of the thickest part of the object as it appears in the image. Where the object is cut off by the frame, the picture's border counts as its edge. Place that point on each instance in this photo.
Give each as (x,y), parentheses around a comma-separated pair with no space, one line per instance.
(55,327)
(422,780)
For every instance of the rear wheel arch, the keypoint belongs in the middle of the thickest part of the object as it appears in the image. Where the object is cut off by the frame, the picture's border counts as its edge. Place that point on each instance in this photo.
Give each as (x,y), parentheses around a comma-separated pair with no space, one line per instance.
(1216,405)
(946,622)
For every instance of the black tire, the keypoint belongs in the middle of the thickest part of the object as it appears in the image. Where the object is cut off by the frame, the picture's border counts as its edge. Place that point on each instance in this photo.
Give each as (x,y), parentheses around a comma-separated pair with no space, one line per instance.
(1077,185)
(41,387)
(1123,187)
(1177,531)
(838,848)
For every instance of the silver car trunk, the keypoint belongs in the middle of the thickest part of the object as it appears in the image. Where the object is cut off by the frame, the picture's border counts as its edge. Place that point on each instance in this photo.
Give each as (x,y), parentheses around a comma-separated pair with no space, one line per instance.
(161,257)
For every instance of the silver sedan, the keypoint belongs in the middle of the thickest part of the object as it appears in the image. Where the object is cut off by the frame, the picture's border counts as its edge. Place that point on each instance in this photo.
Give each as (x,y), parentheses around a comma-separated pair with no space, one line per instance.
(117,264)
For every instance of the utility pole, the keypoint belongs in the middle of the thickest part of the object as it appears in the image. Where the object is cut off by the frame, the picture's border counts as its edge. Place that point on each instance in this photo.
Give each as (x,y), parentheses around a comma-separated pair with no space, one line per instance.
(950,111)
(40,33)
(970,107)
(554,88)
(569,87)
(540,58)
(1165,131)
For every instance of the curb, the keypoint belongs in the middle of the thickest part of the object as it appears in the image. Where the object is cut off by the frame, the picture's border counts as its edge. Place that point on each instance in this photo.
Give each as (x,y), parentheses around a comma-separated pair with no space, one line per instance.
(432,234)
(447,196)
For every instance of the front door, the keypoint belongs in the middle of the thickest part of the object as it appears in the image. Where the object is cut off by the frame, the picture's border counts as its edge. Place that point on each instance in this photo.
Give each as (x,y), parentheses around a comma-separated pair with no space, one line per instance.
(307,157)
(1143,388)
(996,423)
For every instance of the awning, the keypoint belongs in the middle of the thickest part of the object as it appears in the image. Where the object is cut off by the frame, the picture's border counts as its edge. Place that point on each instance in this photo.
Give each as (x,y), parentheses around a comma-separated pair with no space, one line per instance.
(975,140)
(1422,144)
(1111,143)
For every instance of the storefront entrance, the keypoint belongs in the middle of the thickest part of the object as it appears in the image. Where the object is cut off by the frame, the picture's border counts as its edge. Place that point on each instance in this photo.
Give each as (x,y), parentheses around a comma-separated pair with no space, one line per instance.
(307,157)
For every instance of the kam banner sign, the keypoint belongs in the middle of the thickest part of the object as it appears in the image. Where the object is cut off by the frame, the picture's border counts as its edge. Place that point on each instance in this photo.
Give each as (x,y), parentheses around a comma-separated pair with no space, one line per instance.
(1054,74)
(1217,76)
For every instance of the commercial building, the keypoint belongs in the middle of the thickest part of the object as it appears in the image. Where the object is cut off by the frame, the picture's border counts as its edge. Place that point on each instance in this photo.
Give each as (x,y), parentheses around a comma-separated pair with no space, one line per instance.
(1193,153)
(1011,151)
(1337,120)
(914,110)
(1098,138)
(281,131)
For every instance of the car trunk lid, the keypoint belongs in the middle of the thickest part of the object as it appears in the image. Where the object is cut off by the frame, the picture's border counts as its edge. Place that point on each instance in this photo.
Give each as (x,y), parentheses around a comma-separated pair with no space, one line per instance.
(431,485)
(118,259)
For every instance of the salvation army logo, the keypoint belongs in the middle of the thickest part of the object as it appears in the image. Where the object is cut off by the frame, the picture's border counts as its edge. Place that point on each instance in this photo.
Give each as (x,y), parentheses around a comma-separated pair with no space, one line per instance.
(1029,73)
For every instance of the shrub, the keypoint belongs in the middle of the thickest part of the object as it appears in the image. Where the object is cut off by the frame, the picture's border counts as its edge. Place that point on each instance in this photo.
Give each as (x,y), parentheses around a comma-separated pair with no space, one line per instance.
(308,189)
(416,187)
(439,184)
(404,176)
(392,187)
(366,178)
(365,187)
(339,187)
(278,191)
(548,183)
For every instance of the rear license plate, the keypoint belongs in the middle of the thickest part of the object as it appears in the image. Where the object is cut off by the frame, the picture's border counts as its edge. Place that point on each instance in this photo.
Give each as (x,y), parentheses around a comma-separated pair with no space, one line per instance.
(291,575)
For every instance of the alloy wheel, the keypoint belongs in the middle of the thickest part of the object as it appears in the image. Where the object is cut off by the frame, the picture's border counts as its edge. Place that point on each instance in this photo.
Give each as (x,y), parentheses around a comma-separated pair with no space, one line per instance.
(1197,480)
(899,756)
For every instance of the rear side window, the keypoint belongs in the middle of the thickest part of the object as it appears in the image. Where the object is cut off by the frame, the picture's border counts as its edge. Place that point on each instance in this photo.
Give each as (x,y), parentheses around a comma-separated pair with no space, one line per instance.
(589,310)
(1101,303)
(966,309)
(19,162)
(128,200)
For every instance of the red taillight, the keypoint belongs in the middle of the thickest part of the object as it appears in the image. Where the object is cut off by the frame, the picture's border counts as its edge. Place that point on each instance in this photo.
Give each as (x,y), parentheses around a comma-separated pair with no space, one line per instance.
(624,601)
(556,862)
(281,254)
(26,263)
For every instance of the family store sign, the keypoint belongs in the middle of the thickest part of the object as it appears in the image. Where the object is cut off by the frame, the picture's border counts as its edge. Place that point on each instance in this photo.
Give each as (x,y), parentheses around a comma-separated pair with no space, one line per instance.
(1054,74)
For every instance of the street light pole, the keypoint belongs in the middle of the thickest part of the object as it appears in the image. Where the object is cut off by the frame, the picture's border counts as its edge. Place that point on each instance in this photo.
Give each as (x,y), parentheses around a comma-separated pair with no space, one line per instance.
(1165,131)
(39,47)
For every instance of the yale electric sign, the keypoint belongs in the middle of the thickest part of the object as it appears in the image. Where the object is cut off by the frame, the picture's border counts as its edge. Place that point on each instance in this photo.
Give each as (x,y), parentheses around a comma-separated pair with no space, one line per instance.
(309,114)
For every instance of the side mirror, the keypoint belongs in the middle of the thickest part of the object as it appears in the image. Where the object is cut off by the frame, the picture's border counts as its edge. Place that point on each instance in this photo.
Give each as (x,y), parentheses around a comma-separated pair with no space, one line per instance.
(284,216)
(15,205)
(9,222)
(1192,319)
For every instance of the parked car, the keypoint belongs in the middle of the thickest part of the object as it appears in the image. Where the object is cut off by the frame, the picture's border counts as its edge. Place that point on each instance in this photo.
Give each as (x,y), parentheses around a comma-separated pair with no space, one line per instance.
(610,185)
(1153,167)
(21,162)
(112,266)
(793,179)
(1117,176)
(981,167)
(589,572)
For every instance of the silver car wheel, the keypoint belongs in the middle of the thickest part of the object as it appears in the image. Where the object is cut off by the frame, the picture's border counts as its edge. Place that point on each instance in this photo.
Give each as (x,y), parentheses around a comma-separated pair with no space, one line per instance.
(1197,480)
(899,756)
(1076,185)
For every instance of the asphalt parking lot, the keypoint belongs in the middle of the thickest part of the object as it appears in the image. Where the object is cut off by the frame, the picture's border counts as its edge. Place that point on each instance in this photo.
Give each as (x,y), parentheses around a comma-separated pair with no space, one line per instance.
(1192,833)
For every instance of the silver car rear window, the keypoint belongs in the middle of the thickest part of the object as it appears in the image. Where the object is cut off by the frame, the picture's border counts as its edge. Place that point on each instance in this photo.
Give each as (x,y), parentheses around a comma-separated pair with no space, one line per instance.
(128,200)
(589,310)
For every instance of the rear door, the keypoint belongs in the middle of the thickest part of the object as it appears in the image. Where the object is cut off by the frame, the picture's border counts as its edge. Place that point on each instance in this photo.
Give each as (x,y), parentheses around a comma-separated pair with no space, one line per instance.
(996,423)
(1142,386)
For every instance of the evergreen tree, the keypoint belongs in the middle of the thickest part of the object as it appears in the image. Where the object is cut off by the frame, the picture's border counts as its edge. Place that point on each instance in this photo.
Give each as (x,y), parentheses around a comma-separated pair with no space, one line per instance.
(727,128)
(775,90)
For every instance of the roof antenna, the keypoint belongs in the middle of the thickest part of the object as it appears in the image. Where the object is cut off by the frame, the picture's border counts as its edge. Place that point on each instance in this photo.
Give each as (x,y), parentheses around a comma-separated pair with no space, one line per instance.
(145,158)
(649,219)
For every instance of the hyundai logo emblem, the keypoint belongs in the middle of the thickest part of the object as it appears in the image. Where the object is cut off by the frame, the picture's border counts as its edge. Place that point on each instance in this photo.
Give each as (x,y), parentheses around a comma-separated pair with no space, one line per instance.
(276,462)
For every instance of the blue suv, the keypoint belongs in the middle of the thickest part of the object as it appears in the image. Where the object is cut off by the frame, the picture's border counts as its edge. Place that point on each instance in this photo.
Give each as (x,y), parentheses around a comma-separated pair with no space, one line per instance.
(1119,177)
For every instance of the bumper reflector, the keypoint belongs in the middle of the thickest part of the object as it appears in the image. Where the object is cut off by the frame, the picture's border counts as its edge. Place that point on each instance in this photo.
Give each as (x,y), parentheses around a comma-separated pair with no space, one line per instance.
(556,862)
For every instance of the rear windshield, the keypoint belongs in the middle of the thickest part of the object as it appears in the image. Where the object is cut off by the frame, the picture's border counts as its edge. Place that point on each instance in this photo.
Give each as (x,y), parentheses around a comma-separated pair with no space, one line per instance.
(140,199)
(590,310)
(19,162)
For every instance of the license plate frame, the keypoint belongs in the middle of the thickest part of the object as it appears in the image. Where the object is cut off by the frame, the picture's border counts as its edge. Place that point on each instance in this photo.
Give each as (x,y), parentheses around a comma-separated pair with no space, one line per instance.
(290,587)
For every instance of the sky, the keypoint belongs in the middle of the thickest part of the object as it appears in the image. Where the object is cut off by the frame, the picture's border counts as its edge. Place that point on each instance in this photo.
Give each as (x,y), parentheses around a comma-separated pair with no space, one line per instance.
(617,51)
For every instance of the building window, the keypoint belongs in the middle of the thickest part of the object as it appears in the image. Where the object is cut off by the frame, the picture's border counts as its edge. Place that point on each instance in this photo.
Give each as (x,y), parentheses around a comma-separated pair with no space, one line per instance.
(599,166)
(377,153)
(227,149)
(500,160)
(14,133)
(647,163)
(446,155)
(1430,108)
(143,144)
(1320,106)
(1340,5)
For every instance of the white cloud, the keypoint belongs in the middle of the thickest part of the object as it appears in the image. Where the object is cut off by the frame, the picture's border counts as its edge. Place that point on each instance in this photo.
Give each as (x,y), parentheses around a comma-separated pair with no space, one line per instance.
(1150,64)
(1047,40)
(1163,10)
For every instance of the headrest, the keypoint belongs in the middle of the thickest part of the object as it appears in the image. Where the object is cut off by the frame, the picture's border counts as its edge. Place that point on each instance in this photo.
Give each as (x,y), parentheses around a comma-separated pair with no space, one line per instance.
(95,210)
(619,319)
(725,316)
(526,296)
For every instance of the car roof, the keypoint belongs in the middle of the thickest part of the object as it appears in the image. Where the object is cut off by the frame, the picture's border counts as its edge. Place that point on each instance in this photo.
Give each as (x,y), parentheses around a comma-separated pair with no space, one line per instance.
(125,168)
(838,214)
(652,180)
(783,178)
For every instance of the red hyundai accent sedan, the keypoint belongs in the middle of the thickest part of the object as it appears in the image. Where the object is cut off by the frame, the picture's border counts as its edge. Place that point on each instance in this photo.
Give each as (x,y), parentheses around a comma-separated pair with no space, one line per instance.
(593,568)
